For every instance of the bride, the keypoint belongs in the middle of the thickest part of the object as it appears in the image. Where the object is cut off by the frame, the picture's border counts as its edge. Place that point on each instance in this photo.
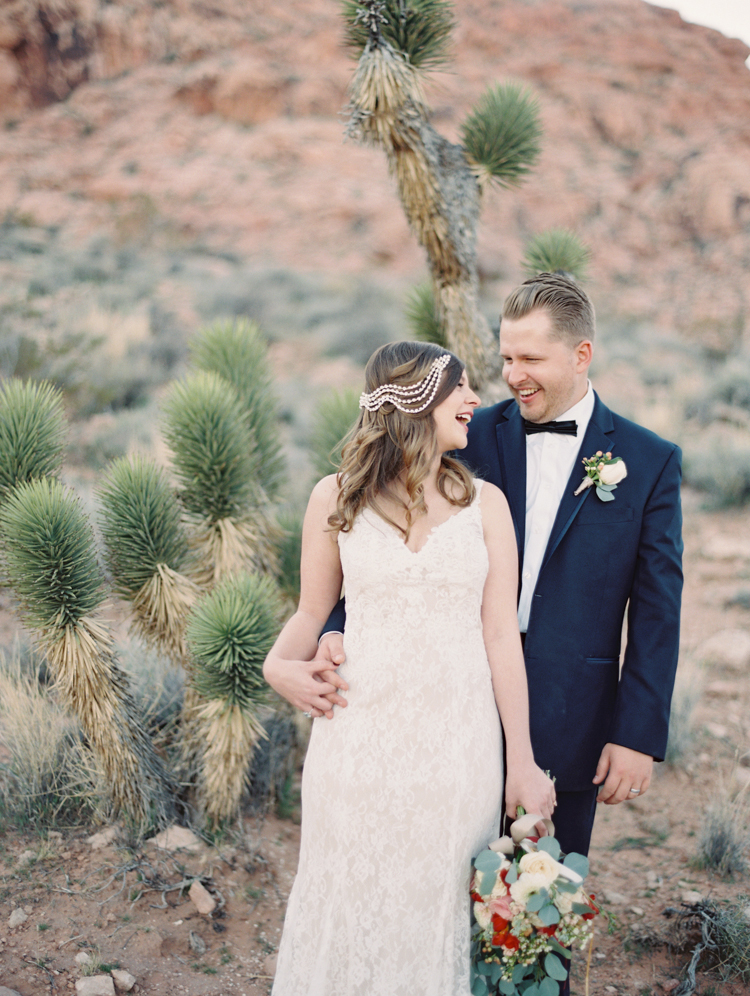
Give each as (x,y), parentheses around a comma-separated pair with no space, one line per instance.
(404,787)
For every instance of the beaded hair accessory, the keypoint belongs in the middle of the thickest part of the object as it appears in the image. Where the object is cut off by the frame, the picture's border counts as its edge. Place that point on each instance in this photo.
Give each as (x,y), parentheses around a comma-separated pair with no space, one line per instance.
(404,396)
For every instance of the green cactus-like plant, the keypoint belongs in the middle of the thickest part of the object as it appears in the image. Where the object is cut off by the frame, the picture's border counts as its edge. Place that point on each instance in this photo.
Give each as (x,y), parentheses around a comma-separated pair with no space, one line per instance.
(229,634)
(237,351)
(32,432)
(557,249)
(290,553)
(51,562)
(334,417)
(420,29)
(146,551)
(422,316)
(217,464)
(502,135)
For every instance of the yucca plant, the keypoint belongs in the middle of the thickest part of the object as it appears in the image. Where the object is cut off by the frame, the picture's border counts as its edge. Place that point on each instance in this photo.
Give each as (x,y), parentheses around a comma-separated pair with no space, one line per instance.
(335,414)
(439,183)
(237,350)
(229,634)
(146,551)
(290,551)
(32,432)
(217,464)
(51,563)
(557,249)
(422,316)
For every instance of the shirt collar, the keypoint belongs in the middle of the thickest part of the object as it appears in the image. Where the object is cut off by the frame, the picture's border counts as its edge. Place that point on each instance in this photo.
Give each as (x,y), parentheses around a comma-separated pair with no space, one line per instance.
(582,410)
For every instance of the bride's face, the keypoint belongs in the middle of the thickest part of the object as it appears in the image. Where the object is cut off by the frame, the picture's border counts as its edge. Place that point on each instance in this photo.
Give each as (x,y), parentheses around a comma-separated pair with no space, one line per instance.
(453,415)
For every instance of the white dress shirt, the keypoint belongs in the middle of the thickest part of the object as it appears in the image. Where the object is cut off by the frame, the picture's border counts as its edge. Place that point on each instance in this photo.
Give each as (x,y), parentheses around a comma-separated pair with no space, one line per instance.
(549,462)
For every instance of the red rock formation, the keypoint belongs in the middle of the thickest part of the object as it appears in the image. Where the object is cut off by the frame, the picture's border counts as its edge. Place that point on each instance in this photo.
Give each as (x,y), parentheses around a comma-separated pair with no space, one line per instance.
(223,119)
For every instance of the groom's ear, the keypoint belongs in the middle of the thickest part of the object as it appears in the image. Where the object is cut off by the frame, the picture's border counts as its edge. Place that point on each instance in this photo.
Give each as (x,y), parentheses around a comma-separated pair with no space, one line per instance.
(584,353)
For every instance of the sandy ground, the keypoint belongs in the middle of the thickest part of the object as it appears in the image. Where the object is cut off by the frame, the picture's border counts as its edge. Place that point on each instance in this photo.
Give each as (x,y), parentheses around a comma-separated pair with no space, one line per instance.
(124,906)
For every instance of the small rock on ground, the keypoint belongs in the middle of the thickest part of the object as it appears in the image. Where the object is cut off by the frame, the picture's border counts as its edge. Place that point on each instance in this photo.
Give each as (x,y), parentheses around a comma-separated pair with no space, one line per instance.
(17,917)
(124,981)
(269,964)
(103,838)
(82,958)
(4,991)
(691,896)
(176,838)
(728,648)
(201,898)
(25,857)
(96,985)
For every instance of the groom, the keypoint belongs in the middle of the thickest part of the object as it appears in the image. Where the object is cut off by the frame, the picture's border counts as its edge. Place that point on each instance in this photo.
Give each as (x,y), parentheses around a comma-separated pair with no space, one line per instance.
(584,562)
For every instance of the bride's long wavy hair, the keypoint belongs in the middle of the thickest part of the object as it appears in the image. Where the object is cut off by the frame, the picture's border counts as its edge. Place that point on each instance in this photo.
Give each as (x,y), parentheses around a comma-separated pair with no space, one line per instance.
(387,445)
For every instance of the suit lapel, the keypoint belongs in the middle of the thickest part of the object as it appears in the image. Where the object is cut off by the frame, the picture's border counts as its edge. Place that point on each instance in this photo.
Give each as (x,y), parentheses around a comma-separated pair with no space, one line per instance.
(595,438)
(512,448)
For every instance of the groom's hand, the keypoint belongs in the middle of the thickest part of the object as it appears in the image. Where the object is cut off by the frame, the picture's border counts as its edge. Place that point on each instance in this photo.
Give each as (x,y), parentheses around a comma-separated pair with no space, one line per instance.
(623,774)
(331,651)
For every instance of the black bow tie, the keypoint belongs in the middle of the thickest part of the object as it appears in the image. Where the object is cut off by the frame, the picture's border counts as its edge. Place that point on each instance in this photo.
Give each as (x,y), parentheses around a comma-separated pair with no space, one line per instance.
(567,428)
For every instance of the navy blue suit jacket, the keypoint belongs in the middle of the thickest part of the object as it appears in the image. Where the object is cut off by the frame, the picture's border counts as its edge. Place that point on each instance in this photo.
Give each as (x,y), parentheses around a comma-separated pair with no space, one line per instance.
(602,558)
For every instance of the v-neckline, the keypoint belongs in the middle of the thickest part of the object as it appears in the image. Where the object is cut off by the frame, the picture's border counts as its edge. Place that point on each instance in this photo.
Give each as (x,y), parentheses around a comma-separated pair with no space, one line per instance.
(433,530)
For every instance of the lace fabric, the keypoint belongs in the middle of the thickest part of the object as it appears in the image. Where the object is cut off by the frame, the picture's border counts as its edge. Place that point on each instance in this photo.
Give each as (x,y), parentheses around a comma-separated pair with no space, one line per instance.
(403,787)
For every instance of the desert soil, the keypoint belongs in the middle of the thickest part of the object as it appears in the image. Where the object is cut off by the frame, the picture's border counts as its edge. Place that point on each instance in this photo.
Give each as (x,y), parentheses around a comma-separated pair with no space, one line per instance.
(123,905)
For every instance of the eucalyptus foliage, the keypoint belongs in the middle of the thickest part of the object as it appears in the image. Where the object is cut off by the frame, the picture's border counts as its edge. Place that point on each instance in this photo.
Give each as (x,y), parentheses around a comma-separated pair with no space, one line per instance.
(214,453)
(140,523)
(419,29)
(237,351)
(502,135)
(335,414)
(422,316)
(229,635)
(49,555)
(32,432)
(557,249)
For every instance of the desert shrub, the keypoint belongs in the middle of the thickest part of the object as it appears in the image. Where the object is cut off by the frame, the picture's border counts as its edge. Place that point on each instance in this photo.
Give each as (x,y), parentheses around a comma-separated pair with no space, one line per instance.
(724,839)
(681,728)
(48,780)
(721,472)
(422,316)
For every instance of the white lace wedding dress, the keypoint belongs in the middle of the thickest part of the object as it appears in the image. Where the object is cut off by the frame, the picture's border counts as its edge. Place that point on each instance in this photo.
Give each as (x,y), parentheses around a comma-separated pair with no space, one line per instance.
(403,787)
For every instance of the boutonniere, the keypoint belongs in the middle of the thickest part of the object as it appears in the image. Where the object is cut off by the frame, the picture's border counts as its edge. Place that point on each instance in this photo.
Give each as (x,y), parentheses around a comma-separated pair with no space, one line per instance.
(604,472)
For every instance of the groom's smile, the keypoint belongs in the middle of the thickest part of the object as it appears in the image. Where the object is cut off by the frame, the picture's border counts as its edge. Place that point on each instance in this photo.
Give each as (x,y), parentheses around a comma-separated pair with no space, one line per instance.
(546,374)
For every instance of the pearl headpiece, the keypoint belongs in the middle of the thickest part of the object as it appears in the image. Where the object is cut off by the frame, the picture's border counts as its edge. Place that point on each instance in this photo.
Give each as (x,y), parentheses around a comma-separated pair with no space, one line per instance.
(403,396)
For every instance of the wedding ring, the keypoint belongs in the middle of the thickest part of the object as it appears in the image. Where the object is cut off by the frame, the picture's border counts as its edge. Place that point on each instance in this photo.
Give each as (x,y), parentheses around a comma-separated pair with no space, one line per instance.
(308,715)
(635,791)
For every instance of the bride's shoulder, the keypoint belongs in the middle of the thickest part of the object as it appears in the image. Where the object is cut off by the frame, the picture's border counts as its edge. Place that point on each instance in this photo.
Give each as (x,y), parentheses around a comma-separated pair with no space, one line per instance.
(324,495)
(490,499)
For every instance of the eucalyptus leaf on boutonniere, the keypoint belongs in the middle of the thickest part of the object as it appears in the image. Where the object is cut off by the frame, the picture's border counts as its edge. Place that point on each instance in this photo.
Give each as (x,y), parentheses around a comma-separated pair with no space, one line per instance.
(604,472)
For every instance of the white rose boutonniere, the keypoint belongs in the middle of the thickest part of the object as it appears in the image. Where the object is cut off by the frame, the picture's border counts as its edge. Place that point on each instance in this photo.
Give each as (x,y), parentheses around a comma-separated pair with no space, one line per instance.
(604,472)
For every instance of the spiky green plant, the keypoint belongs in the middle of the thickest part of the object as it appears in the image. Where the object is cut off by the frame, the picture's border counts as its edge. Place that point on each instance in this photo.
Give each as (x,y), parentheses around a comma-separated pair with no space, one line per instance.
(146,551)
(51,563)
(230,633)
(217,464)
(557,249)
(32,432)
(334,416)
(423,317)
(502,135)
(439,183)
(420,29)
(237,350)
(290,552)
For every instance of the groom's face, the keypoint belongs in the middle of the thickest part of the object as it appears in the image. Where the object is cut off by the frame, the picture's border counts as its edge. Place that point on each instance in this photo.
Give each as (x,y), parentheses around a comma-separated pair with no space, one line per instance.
(545,374)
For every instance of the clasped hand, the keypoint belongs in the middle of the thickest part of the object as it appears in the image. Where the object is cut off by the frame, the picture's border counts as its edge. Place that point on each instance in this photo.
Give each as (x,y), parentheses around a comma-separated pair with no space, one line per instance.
(531,788)
(311,686)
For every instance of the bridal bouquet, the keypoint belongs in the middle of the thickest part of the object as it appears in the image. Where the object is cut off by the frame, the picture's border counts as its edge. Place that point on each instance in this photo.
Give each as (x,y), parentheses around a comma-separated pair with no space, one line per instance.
(529,906)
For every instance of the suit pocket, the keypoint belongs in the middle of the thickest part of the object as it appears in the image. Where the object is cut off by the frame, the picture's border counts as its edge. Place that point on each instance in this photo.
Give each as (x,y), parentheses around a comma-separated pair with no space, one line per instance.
(600,513)
(602,660)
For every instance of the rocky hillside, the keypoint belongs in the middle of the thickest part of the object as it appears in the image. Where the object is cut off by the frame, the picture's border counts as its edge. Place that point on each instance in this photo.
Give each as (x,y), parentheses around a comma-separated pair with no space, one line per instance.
(219,124)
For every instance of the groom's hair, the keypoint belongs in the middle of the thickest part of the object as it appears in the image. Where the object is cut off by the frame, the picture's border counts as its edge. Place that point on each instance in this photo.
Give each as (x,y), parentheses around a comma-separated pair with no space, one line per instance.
(569,307)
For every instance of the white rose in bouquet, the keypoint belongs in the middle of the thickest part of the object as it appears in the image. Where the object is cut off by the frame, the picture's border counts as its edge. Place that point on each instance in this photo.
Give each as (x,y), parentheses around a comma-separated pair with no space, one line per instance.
(613,473)
(526,886)
(540,863)
(482,915)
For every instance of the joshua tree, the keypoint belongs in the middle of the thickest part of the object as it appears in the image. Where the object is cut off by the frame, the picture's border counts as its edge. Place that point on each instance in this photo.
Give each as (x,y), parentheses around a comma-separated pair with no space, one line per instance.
(440,184)
(166,551)
(50,560)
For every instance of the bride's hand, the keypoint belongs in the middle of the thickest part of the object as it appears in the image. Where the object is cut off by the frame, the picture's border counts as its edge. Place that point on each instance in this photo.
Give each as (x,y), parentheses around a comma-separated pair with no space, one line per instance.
(309,685)
(531,788)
